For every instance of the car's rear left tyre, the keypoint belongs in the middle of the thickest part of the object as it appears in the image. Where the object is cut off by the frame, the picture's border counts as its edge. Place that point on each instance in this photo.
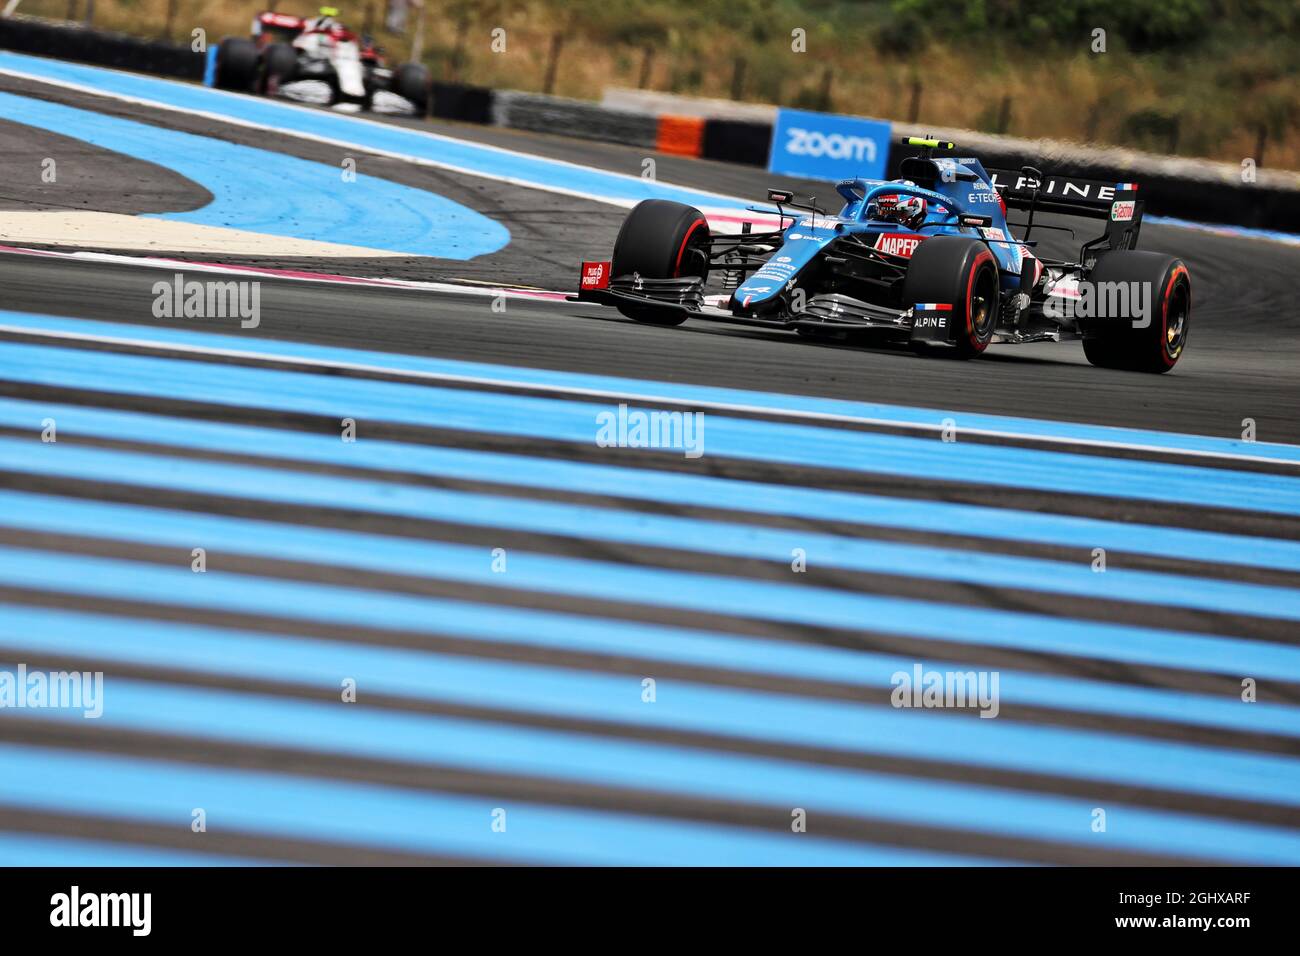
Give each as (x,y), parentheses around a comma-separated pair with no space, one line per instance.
(661,239)
(960,272)
(237,64)
(1140,343)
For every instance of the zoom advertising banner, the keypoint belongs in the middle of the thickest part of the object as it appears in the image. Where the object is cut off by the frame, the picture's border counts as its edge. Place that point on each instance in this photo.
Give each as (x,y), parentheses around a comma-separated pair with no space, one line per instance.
(828,146)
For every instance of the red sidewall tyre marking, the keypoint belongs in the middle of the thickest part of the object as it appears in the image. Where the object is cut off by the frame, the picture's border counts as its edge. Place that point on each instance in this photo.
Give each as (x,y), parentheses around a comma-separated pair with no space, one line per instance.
(677,265)
(972,335)
(1164,314)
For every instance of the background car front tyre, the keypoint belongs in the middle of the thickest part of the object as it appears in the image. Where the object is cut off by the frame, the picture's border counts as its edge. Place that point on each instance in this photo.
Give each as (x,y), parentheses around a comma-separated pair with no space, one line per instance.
(411,82)
(661,239)
(960,271)
(279,64)
(1150,343)
(237,64)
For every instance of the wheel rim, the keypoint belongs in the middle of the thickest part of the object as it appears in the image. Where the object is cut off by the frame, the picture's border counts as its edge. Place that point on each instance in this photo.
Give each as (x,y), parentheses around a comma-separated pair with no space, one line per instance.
(694,258)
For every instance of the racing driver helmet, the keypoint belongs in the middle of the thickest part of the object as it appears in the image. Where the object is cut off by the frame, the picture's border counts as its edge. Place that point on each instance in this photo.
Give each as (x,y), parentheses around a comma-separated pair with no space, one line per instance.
(908,211)
(324,23)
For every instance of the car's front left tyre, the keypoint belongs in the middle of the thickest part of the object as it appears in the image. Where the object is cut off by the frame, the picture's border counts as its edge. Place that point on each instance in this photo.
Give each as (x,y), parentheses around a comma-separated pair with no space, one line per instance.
(959,272)
(661,239)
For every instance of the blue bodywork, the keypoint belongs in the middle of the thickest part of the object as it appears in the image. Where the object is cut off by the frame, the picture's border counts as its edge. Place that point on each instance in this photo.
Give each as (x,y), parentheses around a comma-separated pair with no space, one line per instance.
(963,187)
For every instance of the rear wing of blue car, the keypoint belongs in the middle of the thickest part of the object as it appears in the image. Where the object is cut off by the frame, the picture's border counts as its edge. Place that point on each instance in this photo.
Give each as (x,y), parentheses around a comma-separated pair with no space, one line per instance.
(1092,198)
(1117,203)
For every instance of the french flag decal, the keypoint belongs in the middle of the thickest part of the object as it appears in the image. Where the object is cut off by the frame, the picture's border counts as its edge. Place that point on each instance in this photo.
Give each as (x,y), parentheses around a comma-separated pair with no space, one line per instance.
(1126,187)
(934,307)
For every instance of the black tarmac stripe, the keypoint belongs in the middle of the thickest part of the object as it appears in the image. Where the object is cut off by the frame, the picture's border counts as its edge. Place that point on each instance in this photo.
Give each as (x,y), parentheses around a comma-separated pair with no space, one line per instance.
(277,759)
(742,412)
(496,787)
(344,517)
(340,515)
(906,647)
(1047,604)
(216,843)
(1171,513)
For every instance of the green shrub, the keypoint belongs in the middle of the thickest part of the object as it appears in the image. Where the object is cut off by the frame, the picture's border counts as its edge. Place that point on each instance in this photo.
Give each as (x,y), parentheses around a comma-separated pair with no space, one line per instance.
(1141,24)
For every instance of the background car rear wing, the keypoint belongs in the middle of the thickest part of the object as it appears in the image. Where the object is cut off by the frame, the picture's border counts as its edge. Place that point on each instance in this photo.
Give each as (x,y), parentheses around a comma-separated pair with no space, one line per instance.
(281,26)
(1117,203)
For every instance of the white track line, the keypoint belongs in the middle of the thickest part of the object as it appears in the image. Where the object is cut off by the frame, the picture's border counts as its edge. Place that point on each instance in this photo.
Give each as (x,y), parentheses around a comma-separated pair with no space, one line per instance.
(291,275)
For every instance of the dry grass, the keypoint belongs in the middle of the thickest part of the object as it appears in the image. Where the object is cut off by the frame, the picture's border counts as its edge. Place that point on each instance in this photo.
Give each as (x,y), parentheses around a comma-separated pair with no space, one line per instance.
(1220,101)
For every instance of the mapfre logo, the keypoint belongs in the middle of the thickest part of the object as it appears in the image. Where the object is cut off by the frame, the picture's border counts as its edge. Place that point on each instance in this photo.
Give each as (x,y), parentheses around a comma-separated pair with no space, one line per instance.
(806,142)
(1121,211)
(902,245)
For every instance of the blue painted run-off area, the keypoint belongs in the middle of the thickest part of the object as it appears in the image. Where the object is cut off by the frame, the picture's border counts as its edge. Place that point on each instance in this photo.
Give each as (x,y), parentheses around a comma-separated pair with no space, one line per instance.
(471,158)
(260,191)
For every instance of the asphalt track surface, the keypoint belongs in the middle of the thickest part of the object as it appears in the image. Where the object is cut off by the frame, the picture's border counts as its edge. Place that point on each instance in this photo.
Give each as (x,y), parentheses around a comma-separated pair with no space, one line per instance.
(522,689)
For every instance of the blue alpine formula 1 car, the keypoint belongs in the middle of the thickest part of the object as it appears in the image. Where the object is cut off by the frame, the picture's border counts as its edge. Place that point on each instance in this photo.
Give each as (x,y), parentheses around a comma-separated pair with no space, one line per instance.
(928,259)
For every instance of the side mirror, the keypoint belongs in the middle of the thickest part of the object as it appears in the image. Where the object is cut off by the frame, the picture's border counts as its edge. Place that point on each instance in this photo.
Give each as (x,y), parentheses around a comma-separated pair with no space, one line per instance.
(780,196)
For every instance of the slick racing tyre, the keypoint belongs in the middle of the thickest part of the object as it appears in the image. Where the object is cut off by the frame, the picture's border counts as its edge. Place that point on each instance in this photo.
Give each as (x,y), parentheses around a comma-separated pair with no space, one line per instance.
(411,82)
(236,64)
(279,64)
(661,239)
(1152,342)
(961,272)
